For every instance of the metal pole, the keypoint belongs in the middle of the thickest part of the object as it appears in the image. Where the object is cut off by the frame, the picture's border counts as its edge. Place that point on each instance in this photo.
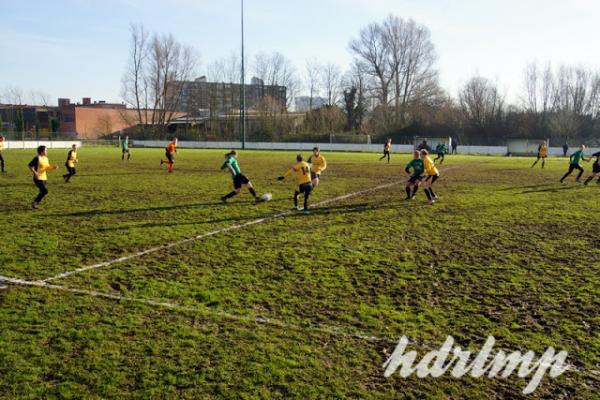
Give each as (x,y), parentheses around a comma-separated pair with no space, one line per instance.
(243,90)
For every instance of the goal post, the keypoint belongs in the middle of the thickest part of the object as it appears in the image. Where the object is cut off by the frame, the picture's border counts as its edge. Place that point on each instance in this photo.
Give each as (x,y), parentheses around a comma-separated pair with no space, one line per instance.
(431,143)
(524,147)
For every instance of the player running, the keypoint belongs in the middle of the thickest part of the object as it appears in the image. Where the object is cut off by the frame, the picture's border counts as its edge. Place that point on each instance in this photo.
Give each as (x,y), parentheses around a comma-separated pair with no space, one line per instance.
(70,163)
(39,166)
(387,148)
(239,179)
(318,164)
(432,175)
(542,154)
(125,149)
(441,151)
(1,157)
(574,163)
(302,171)
(415,179)
(595,171)
(170,152)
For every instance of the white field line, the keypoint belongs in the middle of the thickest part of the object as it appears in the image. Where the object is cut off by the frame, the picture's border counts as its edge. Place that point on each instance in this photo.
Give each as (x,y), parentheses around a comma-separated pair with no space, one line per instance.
(203,310)
(317,328)
(212,233)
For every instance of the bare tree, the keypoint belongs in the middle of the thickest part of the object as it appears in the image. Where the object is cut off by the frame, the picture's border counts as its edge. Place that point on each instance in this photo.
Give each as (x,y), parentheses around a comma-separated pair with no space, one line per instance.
(481,103)
(331,78)
(276,70)
(155,78)
(313,69)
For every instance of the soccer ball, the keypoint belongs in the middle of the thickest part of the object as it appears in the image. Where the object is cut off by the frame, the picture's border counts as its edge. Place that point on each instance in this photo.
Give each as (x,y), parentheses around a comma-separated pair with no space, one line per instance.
(266,197)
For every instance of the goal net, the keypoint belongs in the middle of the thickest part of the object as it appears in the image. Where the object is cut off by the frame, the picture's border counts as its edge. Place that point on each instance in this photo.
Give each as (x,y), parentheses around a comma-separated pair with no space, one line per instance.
(431,143)
(524,147)
(346,138)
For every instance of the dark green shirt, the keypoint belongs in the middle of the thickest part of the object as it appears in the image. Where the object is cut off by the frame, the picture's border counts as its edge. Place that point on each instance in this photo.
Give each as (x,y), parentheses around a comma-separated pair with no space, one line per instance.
(417,166)
(235,168)
(577,157)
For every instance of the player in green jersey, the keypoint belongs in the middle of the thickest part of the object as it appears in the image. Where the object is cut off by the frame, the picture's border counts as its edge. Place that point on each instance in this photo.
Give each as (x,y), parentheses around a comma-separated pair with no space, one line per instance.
(574,163)
(416,177)
(239,179)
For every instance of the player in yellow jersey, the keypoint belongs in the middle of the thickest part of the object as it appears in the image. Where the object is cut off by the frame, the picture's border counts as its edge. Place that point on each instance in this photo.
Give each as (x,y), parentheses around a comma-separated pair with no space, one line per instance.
(432,175)
(70,163)
(318,164)
(39,166)
(302,171)
(387,148)
(1,157)
(542,154)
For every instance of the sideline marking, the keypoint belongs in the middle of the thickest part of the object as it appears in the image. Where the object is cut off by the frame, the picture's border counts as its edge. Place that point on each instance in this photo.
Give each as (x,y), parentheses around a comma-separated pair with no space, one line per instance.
(212,233)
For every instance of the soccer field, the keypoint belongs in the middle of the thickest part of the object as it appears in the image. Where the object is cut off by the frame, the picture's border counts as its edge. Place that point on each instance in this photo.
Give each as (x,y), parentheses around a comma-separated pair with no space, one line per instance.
(252,300)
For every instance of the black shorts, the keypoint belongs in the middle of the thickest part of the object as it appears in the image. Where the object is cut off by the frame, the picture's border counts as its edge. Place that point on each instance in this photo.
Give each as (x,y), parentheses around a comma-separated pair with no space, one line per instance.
(125,150)
(239,180)
(305,188)
(415,179)
(170,157)
(596,168)
(386,152)
(314,175)
(432,178)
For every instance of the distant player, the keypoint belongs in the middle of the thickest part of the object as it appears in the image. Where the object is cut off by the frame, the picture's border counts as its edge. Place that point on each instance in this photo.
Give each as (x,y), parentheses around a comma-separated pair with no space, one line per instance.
(416,177)
(125,149)
(432,175)
(541,154)
(318,164)
(387,148)
(441,151)
(454,146)
(170,152)
(1,157)
(302,171)
(70,163)
(239,179)
(39,166)
(595,171)
(574,161)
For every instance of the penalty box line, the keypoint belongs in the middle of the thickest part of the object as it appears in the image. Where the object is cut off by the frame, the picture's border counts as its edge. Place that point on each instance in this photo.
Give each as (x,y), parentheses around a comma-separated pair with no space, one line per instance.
(325,329)
(212,233)
(317,328)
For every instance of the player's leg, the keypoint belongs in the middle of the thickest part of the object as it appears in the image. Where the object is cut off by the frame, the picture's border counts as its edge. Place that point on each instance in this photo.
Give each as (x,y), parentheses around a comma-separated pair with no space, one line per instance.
(296,194)
(416,187)
(41,185)
(581,170)
(543,162)
(237,186)
(2,163)
(314,179)
(388,157)
(433,179)
(590,178)
(569,172)
(383,156)
(307,191)
(248,184)
(128,154)
(407,188)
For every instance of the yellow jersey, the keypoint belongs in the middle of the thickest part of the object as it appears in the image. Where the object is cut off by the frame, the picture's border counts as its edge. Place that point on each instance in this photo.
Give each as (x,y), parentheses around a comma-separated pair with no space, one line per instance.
(318,164)
(71,159)
(41,165)
(430,166)
(1,146)
(543,151)
(387,146)
(302,171)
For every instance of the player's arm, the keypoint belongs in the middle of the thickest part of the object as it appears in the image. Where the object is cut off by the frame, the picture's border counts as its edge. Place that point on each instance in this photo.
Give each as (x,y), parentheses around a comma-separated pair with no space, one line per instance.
(225,164)
(287,173)
(407,169)
(33,165)
(324,166)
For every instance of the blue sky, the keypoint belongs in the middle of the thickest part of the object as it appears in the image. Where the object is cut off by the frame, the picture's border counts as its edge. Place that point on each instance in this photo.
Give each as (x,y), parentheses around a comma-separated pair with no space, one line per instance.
(77,48)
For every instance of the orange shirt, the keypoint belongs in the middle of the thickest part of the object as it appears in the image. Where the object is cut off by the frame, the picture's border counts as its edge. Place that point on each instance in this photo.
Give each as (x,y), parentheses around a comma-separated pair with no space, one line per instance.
(171,148)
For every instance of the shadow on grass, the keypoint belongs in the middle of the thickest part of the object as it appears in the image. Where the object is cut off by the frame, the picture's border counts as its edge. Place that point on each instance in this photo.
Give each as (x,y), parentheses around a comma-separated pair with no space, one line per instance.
(550,189)
(163,208)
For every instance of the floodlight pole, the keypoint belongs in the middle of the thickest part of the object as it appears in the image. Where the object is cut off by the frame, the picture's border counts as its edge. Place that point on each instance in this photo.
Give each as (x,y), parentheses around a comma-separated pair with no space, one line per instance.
(243,89)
